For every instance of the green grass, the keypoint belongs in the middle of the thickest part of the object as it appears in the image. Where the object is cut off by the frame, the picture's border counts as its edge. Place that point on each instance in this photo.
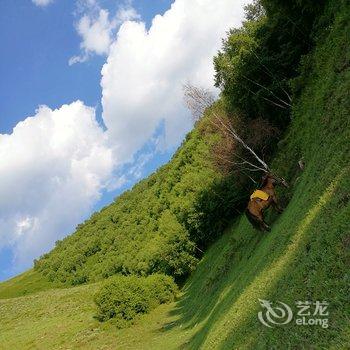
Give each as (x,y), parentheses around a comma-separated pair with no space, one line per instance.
(26,283)
(301,259)
(306,256)
(63,319)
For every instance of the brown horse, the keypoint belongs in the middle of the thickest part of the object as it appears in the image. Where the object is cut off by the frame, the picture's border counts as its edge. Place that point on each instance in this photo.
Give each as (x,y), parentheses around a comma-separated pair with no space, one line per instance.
(262,199)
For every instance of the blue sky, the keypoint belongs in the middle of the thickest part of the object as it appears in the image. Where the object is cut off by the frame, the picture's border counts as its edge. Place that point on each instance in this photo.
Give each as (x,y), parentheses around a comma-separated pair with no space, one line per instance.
(69,159)
(36,46)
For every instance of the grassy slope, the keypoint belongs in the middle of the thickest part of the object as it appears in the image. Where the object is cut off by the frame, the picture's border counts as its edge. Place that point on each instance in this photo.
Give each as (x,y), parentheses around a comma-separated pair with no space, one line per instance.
(305,257)
(28,282)
(63,319)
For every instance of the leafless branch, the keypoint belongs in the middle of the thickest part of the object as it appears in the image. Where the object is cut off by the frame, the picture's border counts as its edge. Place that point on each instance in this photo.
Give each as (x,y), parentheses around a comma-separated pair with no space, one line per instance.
(268,71)
(268,90)
(235,135)
(198,100)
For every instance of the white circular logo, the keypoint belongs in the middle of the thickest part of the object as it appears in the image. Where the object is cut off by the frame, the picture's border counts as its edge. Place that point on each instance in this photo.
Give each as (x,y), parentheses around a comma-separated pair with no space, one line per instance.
(274,315)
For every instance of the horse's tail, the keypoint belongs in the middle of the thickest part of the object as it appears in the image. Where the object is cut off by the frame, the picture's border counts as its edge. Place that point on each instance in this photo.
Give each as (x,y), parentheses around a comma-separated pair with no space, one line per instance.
(253,220)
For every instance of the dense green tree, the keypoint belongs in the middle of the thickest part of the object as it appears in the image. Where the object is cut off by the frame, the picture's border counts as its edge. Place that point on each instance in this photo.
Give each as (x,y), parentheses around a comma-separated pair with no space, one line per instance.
(258,60)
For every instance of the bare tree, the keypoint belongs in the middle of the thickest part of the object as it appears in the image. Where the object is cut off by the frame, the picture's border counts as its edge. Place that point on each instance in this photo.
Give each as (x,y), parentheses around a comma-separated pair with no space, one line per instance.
(198,100)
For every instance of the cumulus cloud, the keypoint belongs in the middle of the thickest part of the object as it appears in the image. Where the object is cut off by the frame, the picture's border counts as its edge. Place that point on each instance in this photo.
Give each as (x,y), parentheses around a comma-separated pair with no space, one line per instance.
(96,28)
(146,68)
(53,168)
(42,3)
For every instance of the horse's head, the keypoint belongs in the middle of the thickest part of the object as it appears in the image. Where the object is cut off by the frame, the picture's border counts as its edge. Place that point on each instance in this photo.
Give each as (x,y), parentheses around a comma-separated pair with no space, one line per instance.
(273,180)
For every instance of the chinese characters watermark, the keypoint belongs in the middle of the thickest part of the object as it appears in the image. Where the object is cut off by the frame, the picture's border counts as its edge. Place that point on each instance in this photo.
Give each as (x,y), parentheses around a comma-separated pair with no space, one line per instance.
(307,313)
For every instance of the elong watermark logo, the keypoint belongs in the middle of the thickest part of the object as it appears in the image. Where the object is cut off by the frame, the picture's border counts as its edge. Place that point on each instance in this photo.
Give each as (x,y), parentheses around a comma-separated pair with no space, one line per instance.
(308,313)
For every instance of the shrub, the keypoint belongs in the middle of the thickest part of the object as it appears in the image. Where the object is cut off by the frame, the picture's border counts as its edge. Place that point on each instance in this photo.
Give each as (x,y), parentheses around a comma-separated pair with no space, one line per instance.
(161,287)
(123,298)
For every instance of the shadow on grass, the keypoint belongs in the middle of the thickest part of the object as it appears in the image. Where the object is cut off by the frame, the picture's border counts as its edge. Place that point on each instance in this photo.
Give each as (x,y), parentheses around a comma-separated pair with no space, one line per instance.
(220,302)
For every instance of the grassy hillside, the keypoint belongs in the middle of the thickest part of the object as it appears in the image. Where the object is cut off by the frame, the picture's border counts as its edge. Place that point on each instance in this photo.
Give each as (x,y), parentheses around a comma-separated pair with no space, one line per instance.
(28,282)
(306,256)
(63,319)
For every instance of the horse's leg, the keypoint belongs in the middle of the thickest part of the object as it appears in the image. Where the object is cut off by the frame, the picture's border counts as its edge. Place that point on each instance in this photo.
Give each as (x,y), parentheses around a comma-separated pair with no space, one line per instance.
(266,226)
(253,219)
(276,205)
(263,225)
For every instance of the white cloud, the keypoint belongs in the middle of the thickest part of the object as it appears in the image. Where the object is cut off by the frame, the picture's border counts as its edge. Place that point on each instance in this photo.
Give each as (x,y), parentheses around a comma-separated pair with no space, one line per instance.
(126,13)
(42,3)
(145,70)
(53,168)
(96,28)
